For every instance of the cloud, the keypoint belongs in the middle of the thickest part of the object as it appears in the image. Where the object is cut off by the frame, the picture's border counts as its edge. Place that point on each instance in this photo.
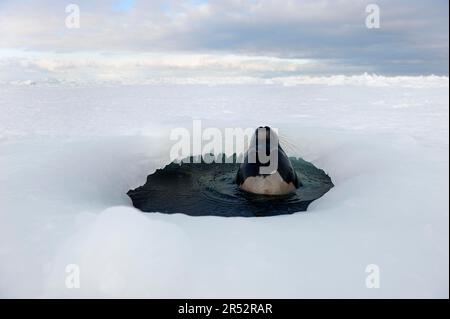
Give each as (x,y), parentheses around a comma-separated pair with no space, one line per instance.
(413,38)
(142,66)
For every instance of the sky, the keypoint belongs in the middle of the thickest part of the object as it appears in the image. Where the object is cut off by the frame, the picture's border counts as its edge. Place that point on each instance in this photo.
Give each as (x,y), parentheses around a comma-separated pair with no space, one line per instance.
(195,38)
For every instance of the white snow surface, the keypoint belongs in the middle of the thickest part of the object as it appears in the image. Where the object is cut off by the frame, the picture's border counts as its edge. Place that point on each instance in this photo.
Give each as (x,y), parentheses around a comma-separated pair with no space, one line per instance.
(69,154)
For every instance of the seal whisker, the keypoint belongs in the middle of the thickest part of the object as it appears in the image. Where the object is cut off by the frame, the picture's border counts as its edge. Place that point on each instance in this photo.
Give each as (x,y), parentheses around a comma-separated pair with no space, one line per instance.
(288,145)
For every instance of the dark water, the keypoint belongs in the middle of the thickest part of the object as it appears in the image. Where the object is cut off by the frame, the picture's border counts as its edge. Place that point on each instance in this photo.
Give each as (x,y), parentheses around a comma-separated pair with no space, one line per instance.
(201,189)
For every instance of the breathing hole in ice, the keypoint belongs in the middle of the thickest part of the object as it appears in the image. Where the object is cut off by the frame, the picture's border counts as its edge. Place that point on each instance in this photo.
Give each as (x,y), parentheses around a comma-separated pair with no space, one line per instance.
(202,189)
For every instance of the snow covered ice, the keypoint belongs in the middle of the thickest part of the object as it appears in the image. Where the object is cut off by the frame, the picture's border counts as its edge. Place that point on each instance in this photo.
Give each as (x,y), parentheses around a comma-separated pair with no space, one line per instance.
(69,153)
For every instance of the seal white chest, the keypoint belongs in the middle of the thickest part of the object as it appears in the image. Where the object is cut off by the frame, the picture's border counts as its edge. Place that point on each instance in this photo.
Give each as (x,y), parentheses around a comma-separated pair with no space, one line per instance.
(268,185)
